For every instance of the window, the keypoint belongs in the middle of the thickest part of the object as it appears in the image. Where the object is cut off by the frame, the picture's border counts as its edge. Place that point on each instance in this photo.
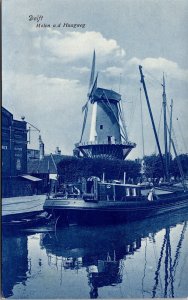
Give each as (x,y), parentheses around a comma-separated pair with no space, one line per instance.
(127,192)
(109,139)
(101,126)
(134,192)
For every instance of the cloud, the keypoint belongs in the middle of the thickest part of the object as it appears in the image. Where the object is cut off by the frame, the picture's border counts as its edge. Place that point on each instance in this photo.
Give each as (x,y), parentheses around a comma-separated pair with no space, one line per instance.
(113,71)
(160,64)
(70,46)
(37,86)
(51,104)
(81,70)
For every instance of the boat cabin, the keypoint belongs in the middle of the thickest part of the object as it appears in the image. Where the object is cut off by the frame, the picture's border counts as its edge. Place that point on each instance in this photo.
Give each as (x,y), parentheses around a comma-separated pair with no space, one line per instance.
(95,190)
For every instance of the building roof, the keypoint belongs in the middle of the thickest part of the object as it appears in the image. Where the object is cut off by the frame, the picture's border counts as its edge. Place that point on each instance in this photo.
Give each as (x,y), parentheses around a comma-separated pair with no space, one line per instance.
(47,165)
(101,93)
(5,111)
(29,177)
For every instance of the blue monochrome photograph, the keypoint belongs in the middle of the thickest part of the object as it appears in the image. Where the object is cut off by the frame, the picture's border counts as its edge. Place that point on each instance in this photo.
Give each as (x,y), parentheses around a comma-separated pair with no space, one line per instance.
(94,130)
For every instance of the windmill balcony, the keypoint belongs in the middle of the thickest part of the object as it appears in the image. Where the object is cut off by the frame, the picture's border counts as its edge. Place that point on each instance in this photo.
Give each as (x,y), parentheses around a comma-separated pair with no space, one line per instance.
(105,143)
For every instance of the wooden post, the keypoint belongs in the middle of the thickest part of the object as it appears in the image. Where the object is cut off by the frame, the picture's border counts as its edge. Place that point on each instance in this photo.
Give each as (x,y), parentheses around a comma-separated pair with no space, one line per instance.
(103,177)
(124,177)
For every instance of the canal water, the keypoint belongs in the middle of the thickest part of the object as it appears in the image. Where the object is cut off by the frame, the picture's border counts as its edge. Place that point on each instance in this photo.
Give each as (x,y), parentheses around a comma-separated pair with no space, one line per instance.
(145,259)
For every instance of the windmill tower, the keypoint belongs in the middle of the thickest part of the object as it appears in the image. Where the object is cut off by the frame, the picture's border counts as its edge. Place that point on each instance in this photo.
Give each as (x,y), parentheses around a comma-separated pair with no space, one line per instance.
(106,131)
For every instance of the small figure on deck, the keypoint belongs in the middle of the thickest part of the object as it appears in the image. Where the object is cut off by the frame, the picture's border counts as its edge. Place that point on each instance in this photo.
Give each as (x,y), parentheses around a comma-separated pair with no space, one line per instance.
(151,195)
(76,191)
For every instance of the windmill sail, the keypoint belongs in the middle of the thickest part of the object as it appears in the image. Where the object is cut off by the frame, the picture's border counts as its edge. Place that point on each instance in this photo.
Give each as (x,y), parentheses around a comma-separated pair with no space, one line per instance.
(85,107)
(92,76)
(93,88)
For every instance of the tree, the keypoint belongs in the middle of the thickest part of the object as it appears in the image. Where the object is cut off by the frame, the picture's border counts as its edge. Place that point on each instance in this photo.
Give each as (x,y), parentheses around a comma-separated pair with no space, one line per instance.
(153,166)
(183,158)
(72,169)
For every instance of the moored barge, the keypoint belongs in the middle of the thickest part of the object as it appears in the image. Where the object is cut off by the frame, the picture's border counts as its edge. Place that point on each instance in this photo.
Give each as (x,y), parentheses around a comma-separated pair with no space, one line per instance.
(102,202)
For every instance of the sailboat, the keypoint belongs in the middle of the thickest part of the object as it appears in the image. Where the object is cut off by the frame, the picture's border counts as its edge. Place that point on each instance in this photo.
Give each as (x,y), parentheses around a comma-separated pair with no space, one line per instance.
(113,202)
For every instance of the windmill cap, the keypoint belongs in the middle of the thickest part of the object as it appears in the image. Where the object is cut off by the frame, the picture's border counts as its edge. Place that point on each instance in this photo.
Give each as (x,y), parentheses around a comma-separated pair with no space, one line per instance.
(101,93)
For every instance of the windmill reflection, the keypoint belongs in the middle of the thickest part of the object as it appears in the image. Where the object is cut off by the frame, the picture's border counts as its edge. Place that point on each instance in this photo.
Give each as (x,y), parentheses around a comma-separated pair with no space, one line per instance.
(103,252)
(104,273)
(104,268)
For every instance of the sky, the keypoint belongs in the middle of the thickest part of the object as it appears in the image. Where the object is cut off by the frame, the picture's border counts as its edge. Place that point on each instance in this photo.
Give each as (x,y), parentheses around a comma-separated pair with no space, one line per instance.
(46,70)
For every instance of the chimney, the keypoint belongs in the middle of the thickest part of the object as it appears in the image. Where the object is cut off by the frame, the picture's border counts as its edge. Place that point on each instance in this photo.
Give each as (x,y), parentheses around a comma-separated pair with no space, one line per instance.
(41,148)
(58,151)
(76,152)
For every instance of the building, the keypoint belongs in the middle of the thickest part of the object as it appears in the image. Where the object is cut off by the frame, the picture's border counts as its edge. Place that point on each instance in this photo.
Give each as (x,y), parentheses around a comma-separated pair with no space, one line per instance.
(32,154)
(15,181)
(46,168)
(104,131)
(14,145)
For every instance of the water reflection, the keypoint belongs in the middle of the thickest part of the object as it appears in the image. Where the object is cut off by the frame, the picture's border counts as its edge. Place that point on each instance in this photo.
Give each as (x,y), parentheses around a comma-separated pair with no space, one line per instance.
(14,263)
(140,259)
(170,264)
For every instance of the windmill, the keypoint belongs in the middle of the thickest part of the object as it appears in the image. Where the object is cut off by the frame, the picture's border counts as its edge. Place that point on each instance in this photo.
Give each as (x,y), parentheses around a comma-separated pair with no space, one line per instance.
(107,136)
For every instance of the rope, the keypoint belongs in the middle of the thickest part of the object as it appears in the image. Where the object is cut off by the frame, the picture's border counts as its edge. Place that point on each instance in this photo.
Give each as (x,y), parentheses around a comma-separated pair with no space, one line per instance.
(173,133)
(155,150)
(159,126)
(178,162)
(181,133)
(133,108)
(153,77)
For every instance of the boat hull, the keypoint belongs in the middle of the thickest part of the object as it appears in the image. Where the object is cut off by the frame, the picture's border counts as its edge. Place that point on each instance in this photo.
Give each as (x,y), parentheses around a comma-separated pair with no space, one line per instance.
(78,211)
(24,222)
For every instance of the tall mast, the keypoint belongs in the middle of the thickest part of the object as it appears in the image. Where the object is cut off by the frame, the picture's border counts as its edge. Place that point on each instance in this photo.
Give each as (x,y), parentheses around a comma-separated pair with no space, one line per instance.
(165,129)
(170,131)
(143,150)
(151,116)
